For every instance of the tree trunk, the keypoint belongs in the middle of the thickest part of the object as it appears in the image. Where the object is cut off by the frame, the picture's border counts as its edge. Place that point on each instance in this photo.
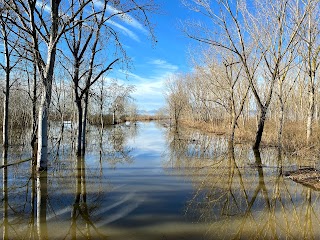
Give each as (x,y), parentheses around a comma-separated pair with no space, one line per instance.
(32,201)
(281,114)
(6,115)
(260,129)
(310,113)
(113,117)
(233,123)
(34,114)
(46,71)
(79,137)
(281,123)
(42,156)
(5,128)
(84,122)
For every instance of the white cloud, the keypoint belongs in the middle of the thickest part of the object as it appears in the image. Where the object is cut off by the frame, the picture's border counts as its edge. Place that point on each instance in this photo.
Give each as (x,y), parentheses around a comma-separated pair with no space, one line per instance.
(164,64)
(129,20)
(149,88)
(125,31)
(149,96)
(125,18)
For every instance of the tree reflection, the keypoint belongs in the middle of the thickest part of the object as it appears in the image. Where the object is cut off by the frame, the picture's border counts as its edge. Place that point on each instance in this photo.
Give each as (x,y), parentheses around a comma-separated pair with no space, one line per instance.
(80,209)
(191,149)
(42,193)
(5,193)
(31,224)
(240,200)
(112,144)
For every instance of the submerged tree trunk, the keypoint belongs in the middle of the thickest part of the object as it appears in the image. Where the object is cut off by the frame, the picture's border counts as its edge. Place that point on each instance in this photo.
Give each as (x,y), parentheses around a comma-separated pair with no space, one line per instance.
(42,155)
(46,71)
(76,203)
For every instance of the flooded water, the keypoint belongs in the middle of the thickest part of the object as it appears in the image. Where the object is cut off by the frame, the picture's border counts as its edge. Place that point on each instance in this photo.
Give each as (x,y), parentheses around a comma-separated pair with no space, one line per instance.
(147,182)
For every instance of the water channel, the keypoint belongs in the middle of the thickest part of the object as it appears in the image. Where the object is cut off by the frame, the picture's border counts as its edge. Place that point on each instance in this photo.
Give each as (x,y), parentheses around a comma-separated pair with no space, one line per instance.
(146,181)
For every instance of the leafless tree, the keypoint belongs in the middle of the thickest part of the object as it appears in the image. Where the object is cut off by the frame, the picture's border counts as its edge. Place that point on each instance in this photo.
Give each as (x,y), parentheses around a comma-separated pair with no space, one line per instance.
(261,37)
(43,24)
(275,30)
(11,59)
(310,54)
(177,98)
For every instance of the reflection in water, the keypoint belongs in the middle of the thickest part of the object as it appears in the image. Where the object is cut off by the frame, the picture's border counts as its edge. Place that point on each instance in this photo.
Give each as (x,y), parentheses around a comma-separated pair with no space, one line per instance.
(5,194)
(42,193)
(207,189)
(31,224)
(240,200)
(80,209)
(112,144)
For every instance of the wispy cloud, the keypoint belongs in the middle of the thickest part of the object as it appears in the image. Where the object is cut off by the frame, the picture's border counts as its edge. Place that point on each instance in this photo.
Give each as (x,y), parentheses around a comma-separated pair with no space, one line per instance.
(164,64)
(149,94)
(125,18)
(125,31)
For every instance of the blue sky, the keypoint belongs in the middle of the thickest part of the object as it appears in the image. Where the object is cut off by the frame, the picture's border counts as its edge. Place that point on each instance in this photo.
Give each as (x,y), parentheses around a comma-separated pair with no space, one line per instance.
(153,63)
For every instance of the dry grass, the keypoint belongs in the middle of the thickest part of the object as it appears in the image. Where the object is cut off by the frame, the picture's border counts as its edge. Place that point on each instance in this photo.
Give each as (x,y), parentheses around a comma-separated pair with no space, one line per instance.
(293,140)
(217,127)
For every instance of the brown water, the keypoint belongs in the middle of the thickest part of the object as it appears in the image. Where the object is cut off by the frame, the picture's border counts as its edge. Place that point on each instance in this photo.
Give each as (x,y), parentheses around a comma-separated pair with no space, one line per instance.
(146,182)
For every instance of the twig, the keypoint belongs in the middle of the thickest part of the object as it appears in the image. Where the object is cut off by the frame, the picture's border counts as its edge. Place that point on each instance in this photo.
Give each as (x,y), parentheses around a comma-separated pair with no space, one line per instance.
(10,164)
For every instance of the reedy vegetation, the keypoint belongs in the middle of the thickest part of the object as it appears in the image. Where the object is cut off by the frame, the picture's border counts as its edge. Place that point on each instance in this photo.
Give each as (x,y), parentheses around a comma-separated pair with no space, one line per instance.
(260,61)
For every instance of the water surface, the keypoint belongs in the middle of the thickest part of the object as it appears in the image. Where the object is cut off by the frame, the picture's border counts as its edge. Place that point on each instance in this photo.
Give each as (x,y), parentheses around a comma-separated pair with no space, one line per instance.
(148,182)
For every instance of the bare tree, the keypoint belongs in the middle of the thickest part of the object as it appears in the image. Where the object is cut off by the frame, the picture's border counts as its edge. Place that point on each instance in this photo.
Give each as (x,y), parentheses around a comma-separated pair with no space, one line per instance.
(44,25)
(230,35)
(310,54)
(92,40)
(177,98)
(276,28)
(257,37)
(118,97)
(10,40)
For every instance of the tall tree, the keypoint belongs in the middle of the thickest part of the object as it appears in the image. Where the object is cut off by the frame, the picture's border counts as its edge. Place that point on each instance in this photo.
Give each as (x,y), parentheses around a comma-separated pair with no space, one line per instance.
(310,54)
(255,36)
(10,40)
(43,24)
(230,34)
(275,30)
(85,42)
